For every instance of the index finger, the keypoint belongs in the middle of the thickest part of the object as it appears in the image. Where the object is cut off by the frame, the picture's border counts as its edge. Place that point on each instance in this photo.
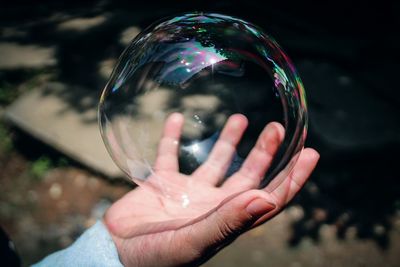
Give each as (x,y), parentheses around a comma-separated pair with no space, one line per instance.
(167,155)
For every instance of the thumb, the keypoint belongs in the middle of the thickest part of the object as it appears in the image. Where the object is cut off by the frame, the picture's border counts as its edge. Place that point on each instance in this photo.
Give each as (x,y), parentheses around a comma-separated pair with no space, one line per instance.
(230,219)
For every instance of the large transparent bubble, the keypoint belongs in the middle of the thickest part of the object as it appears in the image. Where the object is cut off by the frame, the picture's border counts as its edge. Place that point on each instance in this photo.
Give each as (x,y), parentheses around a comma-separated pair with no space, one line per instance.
(206,67)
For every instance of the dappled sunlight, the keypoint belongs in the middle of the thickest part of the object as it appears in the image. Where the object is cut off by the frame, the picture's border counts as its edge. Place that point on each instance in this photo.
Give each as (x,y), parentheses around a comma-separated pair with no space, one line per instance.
(56,57)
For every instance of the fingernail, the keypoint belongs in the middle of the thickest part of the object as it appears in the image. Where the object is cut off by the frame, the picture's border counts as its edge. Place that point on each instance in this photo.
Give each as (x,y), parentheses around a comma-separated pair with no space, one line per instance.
(259,207)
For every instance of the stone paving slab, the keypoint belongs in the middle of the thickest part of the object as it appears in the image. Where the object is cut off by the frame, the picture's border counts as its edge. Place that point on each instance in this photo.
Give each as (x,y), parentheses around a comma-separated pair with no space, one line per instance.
(45,114)
(14,56)
(268,245)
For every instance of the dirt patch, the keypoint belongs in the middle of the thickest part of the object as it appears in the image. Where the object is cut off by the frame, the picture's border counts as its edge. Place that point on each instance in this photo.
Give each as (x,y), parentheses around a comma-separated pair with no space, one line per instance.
(42,215)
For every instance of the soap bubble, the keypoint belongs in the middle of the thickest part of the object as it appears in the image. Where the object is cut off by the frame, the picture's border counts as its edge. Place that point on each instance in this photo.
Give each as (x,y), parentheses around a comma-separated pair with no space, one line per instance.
(206,67)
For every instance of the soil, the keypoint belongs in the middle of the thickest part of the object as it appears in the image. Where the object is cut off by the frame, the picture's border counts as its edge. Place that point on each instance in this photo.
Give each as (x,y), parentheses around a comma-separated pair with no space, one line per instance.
(42,215)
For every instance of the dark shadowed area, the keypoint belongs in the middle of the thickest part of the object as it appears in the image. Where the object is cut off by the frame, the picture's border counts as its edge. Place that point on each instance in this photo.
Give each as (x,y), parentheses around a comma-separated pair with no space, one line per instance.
(347,55)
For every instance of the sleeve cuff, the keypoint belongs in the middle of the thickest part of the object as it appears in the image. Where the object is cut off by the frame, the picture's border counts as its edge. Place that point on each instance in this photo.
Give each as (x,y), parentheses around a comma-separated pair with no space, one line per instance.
(94,247)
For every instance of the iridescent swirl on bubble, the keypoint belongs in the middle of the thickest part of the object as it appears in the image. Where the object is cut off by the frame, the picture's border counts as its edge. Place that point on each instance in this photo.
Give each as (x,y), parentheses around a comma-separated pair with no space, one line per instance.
(207,67)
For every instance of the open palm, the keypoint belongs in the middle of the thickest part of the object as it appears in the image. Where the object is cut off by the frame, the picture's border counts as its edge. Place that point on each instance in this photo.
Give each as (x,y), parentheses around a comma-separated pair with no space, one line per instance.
(200,215)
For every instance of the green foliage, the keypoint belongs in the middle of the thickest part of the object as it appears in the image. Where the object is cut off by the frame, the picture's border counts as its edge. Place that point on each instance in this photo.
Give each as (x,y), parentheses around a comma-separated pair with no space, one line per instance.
(14,83)
(6,144)
(8,93)
(62,162)
(41,166)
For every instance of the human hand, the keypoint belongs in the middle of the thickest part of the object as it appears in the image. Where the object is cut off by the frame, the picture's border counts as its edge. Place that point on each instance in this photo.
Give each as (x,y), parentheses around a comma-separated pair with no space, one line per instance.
(150,231)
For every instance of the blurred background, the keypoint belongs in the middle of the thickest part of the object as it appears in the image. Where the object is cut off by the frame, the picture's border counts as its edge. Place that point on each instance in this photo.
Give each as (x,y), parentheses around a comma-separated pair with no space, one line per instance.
(56,178)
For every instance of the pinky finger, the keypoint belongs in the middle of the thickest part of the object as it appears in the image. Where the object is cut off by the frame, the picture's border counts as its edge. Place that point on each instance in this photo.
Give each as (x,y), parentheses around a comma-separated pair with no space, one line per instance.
(292,184)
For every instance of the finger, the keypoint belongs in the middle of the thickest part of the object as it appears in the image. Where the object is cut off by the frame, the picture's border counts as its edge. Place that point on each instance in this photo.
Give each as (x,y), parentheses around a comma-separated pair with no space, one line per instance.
(224,224)
(167,156)
(286,191)
(296,179)
(219,160)
(258,160)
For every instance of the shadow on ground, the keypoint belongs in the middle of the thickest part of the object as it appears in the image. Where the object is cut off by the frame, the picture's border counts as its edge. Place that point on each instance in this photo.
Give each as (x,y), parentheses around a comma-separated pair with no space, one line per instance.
(347,65)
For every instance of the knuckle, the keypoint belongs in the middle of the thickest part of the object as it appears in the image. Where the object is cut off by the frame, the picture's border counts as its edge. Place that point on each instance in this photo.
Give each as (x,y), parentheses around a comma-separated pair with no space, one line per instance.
(228,228)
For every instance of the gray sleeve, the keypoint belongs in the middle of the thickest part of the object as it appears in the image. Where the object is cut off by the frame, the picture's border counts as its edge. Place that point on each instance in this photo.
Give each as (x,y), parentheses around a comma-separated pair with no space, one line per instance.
(94,247)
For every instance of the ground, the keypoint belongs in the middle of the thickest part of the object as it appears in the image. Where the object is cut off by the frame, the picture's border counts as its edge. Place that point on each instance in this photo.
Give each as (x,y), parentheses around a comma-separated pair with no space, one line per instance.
(347,215)
(47,213)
